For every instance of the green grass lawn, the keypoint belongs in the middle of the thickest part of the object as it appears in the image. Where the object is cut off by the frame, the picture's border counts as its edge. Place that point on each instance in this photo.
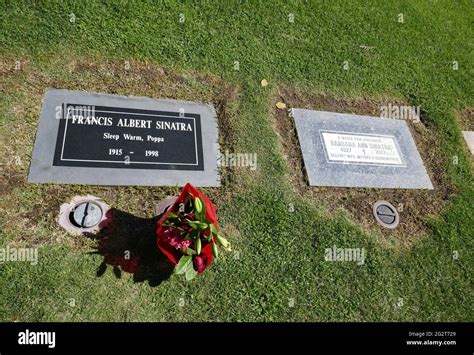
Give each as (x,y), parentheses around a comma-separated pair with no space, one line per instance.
(278,272)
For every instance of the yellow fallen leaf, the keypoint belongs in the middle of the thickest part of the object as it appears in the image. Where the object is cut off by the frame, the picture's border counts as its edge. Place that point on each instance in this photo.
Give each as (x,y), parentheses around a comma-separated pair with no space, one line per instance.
(264,82)
(280,105)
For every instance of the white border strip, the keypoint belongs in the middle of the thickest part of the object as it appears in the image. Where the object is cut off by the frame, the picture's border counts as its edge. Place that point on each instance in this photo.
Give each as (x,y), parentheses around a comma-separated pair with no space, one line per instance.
(130,162)
(326,155)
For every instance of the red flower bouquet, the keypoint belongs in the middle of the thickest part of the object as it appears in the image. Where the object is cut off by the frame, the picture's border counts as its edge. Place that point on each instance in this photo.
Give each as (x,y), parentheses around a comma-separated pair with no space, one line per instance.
(187,233)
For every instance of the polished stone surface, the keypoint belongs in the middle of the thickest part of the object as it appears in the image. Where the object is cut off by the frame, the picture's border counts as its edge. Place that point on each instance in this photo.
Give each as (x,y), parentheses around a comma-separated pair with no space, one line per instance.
(119,140)
(358,151)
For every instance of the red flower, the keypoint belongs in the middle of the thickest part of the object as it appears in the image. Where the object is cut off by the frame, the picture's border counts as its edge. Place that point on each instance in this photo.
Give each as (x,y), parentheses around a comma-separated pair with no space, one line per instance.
(198,263)
(172,236)
(171,252)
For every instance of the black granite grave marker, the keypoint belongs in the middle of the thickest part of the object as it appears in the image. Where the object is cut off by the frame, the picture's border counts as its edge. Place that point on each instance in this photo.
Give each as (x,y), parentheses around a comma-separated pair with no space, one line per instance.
(113,137)
(91,138)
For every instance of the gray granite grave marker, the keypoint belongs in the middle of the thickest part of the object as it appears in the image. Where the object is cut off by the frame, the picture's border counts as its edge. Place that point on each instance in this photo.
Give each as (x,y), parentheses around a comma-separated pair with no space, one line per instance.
(358,151)
(469,138)
(102,139)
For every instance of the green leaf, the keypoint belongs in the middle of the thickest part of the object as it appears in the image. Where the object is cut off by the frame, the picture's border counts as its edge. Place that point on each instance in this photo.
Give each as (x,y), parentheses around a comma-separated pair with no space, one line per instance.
(190,274)
(215,251)
(213,229)
(223,242)
(192,224)
(183,265)
(202,225)
(203,213)
(198,205)
(190,251)
(198,245)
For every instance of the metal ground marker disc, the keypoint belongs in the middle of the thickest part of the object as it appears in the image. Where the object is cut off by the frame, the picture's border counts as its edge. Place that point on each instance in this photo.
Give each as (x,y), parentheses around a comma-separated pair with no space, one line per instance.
(386,214)
(87,214)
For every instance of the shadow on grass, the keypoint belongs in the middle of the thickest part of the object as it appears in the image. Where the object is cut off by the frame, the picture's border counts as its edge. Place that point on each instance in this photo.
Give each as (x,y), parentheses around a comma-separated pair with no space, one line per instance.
(128,243)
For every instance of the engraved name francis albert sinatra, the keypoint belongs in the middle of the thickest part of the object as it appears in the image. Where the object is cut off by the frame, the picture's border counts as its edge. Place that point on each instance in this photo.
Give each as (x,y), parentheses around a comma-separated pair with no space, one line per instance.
(130,123)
